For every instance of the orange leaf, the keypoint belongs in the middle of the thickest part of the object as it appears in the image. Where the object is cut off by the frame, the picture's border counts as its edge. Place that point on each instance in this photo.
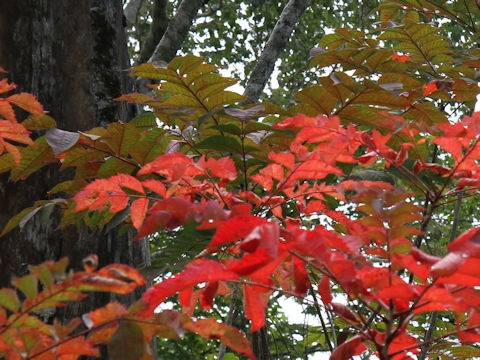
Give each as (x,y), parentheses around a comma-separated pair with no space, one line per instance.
(116,278)
(156,186)
(285,159)
(230,336)
(138,210)
(77,346)
(401,58)
(14,131)
(128,181)
(430,88)
(5,86)
(6,110)
(27,102)
(223,168)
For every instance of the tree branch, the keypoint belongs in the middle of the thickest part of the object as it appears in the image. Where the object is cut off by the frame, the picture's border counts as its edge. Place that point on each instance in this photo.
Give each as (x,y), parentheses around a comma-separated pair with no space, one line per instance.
(131,10)
(158,27)
(274,46)
(177,30)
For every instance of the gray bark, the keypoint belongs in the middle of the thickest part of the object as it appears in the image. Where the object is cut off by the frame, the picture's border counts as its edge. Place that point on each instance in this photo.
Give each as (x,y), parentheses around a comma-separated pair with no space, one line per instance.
(273,48)
(131,10)
(159,24)
(70,54)
(177,30)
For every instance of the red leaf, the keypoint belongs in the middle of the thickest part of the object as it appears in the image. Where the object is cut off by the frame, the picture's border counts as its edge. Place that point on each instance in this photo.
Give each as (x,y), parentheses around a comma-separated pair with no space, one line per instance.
(285,159)
(250,262)
(448,265)
(265,236)
(156,186)
(265,181)
(429,88)
(235,229)
(274,171)
(230,336)
(185,297)
(173,166)
(471,336)
(208,294)
(167,213)
(27,102)
(398,291)
(300,121)
(254,308)
(300,277)
(196,273)
(348,349)
(155,222)
(451,145)
(223,168)
(324,289)
(128,181)
(138,210)
(468,243)
(314,169)
(344,312)
(314,206)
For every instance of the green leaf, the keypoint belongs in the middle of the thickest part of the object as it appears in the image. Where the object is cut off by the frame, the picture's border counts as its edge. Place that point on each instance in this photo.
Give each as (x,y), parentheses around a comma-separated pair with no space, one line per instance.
(39,122)
(228,128)
(27,284)
(34,157)
(114,166)
(220,143)
(145,121)
(14,221)
(127,343)
(121,137)
(9,299)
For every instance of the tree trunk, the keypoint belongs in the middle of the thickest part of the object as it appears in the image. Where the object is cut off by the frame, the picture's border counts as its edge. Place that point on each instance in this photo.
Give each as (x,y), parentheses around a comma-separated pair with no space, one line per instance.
(70,54)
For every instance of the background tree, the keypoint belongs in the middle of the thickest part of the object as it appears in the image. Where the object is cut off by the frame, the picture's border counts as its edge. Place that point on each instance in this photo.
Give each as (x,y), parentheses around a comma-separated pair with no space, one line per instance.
(71,56)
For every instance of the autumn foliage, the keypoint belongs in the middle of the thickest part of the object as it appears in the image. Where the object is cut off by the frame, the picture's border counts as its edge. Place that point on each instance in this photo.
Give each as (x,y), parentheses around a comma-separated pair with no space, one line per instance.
(332,195)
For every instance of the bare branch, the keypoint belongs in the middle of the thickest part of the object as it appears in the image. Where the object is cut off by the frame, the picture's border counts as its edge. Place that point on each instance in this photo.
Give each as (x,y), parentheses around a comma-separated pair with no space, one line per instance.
(158,27)
(131,10)
(177,30)
(274,46)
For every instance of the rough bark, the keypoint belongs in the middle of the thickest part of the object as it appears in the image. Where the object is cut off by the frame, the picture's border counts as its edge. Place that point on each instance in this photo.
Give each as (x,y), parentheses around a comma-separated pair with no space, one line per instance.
(273,48)
(70,54)
(157,29)
(177,30)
